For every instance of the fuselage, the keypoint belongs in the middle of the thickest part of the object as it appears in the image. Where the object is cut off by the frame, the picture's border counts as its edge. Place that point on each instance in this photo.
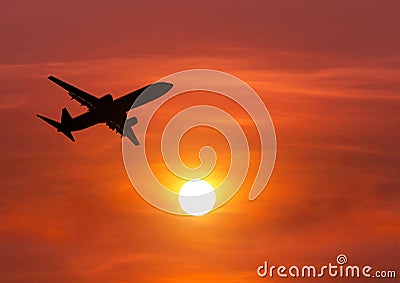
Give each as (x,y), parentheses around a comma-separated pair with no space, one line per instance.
(103,113)
(85,120)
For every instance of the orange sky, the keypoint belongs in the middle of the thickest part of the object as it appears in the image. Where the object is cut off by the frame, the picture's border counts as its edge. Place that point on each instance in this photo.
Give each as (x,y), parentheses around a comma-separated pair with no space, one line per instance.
(329,75)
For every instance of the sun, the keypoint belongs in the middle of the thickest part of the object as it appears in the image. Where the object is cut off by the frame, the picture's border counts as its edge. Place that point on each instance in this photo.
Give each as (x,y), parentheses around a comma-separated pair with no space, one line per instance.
(197,197)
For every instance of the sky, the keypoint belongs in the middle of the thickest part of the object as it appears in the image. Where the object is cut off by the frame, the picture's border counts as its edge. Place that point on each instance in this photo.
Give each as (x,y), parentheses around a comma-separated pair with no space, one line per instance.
(328,72)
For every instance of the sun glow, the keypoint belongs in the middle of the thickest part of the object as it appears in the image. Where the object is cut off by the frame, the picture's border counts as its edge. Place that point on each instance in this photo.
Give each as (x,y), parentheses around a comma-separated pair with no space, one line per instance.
(197,197)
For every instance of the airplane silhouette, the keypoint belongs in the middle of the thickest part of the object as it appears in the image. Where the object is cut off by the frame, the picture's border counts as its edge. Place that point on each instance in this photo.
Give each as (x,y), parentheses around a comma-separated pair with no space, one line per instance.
(105,109)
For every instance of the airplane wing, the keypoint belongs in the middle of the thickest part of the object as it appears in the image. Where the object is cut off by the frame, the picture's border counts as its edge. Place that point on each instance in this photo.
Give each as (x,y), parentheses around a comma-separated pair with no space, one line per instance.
(124,103)
(124,128)
(77,94)
(133,100)
(130,100)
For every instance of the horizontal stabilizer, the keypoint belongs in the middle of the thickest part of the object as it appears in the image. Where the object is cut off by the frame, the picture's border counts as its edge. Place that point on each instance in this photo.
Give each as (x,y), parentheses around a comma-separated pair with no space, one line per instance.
(55,124)
(69,135)
(58,126)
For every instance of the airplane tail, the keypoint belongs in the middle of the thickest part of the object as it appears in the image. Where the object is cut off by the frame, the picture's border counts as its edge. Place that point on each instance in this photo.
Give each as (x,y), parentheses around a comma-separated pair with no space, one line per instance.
(63,126)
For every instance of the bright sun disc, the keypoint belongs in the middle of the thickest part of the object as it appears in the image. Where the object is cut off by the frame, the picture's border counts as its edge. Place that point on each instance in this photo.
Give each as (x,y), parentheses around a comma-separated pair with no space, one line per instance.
(197,197)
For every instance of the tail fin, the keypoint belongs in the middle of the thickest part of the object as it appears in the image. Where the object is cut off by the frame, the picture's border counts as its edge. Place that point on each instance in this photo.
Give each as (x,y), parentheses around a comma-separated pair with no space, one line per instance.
(65,117)
(63,126)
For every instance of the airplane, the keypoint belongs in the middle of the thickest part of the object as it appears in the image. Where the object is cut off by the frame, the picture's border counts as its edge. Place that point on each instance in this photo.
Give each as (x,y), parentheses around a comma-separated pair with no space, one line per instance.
(112,112)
